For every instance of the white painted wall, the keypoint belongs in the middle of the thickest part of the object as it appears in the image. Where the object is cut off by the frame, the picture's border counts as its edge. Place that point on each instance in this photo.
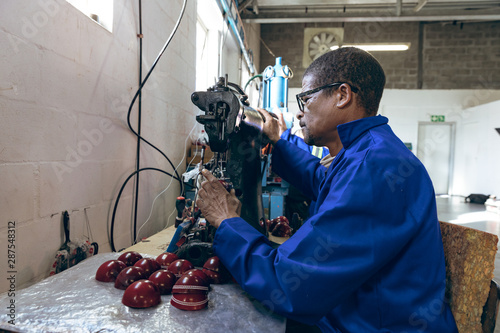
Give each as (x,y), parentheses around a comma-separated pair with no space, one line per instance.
(477,157)
(475,113)
(65,87)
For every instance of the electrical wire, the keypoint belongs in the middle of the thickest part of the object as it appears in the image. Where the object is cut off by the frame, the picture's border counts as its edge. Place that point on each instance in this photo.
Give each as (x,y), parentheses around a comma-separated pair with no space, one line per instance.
(111,240)
(236,88)
(139,117)
(251,79)
(137,94)
(171,179)
(142,85)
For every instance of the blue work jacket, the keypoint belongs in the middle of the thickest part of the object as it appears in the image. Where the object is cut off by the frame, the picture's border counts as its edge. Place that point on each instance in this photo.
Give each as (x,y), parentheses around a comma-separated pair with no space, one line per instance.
(370,258)
(319,152)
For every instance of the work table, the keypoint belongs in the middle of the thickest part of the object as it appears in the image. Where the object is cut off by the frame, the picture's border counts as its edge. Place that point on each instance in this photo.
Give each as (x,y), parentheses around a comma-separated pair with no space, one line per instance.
(74,301)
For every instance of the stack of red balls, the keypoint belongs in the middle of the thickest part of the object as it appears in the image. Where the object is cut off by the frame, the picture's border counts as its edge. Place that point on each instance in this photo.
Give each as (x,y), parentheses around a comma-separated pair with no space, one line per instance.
(145,280)
(279,227)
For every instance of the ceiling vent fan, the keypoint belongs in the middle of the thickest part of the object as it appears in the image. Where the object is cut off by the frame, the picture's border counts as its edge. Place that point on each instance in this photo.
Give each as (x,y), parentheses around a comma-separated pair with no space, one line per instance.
(318,41)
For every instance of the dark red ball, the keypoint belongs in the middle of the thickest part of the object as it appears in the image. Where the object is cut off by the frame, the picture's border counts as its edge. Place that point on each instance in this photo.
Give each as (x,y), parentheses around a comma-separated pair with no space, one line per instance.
(189,302)
(199,273)
(214,277)
(130,257)
(166,258)
(141,294)
(164,280)
(215,270)
(282,229)
(190,284)
(109,270)
(180,266)
(128,276)
(148,265)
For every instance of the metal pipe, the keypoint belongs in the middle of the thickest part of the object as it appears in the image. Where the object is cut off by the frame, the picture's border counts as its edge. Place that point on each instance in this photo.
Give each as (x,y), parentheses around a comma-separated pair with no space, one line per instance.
(234,27)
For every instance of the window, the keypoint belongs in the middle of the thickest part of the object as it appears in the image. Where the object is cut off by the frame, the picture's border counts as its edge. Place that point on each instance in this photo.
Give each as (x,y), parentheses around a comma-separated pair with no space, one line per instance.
(101,11)
(209,27)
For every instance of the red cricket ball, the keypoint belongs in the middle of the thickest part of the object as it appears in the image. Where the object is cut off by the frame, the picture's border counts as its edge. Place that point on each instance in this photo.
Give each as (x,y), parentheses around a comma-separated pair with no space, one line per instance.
(164,280)
(141,294)
(190,284)
(128,276)
(130,257)
(166,259)
(189,302)
(180,266)
(109,270)
(148,265)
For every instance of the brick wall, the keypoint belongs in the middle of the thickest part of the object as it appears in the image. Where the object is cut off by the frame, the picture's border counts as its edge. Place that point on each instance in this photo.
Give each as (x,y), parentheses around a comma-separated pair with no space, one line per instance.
(453,56)
(462,57)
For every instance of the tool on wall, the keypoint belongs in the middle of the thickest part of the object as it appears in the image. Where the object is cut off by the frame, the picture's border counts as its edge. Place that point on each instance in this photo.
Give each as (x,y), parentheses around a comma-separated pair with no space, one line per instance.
(71,253)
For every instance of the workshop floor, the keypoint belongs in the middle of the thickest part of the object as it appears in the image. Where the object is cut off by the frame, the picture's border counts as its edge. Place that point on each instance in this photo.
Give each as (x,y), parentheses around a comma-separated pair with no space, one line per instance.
(455,210)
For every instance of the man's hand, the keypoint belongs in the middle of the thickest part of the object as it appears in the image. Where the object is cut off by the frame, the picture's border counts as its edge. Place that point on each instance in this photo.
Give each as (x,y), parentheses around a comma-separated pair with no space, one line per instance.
(272,127)
(215,202)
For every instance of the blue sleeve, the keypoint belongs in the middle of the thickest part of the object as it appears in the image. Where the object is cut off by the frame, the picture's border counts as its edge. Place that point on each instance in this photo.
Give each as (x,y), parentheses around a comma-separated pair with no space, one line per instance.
(286,134)
(299,142)
(298,167)
(296,140)
(344,244)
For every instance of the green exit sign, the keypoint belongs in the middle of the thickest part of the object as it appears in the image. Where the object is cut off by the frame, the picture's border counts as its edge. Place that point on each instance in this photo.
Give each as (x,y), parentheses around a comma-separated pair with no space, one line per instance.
(437,118)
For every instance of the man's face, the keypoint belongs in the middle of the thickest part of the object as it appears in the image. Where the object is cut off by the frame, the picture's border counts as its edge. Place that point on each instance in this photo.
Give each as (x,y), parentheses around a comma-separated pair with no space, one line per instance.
(319,119)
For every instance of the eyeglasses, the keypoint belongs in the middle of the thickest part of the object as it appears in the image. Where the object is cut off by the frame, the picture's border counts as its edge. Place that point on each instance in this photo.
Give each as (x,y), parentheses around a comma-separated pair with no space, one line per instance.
(300,101)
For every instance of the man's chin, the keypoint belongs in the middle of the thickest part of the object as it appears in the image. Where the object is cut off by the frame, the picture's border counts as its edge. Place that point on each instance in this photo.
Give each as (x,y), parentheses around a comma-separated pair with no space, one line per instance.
(308,140)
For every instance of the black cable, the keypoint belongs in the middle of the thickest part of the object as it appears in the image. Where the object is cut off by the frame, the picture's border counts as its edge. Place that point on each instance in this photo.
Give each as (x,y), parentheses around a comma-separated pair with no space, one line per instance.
(142,85)
(139,108)
(139,137)
(111,238)
(236,87)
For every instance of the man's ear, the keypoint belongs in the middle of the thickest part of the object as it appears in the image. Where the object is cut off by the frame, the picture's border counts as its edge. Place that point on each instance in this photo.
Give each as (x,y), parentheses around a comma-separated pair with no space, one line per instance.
(344,96)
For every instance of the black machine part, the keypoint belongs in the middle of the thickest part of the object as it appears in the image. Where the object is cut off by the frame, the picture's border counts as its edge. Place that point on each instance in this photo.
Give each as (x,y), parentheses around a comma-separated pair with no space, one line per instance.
(198,246)
(235,129)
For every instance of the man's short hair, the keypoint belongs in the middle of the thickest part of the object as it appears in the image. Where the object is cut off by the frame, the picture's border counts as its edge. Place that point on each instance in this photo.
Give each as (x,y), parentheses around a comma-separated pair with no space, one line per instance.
(354,66)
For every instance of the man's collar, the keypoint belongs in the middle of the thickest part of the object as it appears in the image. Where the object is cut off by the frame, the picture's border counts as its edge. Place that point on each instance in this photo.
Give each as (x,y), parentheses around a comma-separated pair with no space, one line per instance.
(350,131)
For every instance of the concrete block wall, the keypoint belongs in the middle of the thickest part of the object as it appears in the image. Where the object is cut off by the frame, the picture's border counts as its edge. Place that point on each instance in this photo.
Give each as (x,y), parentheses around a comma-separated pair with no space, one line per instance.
(462,56)
(65,88)
(454,56)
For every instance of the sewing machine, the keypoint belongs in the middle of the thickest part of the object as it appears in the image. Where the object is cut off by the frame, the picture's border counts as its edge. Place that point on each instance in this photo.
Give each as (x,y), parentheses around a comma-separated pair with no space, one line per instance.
(234,132)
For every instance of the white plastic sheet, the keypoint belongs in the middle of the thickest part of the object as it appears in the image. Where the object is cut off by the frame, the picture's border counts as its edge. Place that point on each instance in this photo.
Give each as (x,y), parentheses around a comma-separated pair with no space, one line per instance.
(73,301)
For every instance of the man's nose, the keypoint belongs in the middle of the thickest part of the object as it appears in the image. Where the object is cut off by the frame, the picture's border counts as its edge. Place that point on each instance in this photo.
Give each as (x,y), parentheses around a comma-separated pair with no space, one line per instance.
(299,115)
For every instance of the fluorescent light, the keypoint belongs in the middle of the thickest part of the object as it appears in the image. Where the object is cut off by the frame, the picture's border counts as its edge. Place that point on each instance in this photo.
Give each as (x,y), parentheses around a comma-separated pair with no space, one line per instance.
(378,47)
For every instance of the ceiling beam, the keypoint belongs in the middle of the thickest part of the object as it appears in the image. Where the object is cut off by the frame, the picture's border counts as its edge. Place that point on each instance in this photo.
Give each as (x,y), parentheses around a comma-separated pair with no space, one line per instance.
(377,17)
(243,5)
(420,5)
(399,7)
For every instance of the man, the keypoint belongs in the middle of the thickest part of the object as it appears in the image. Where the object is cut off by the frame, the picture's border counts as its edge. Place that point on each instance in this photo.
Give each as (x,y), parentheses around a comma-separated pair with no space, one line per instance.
(295,200)
(370,258)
